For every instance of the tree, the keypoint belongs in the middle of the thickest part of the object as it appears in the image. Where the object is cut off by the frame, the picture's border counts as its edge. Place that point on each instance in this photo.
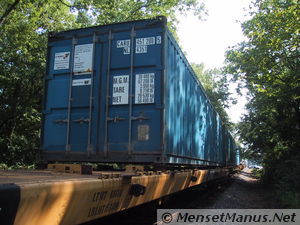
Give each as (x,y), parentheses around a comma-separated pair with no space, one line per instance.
(8,8)
(101,12)
(23,41)
(268,65)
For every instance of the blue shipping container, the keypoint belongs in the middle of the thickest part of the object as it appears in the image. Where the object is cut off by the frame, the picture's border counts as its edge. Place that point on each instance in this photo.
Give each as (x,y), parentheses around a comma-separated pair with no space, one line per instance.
(126,93)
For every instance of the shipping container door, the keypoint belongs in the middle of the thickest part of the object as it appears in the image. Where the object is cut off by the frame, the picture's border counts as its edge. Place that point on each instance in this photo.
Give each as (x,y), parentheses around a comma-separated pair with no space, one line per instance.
(56,100)
(134,108)
(69,109)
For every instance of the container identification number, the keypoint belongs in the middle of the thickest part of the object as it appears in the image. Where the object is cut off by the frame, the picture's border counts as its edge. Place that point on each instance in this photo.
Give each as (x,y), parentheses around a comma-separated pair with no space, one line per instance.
(141,44)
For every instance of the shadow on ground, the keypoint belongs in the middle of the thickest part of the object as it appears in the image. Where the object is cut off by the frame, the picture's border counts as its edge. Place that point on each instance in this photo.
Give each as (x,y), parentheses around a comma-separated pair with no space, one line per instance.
(241,191)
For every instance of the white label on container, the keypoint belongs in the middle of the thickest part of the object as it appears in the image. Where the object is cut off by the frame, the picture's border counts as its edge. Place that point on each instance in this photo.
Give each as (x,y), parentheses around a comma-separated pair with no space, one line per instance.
(123,43)
(120,90)
(83,58)
(158,40)
(145,41)
(81,82)
(141,49)
(61,60)
(144,88)
(126,50)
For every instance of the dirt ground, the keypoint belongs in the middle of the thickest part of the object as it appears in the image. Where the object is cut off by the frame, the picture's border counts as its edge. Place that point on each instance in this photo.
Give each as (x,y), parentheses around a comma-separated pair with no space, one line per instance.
(242,190)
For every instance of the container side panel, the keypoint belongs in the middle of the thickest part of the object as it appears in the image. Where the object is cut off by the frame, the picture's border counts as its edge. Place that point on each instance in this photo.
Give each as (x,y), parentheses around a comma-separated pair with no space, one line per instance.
(193,127)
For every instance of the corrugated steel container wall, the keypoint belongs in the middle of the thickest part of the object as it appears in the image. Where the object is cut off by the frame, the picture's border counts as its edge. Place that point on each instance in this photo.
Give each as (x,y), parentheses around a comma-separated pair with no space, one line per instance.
(193,128)
(125,93)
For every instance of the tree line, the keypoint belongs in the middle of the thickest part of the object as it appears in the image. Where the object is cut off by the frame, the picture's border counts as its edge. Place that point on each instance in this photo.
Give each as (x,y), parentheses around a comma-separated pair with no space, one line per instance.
(268,66)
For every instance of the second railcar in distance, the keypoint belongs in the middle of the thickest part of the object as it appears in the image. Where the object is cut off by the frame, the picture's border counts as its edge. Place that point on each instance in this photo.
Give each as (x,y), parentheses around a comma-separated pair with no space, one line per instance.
(126,93)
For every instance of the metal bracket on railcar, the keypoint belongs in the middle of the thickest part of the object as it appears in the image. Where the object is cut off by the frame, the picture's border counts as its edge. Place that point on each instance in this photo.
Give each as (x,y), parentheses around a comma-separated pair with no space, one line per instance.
(71,168)
(108,175)
(194,178)
(134,168)
(137,190)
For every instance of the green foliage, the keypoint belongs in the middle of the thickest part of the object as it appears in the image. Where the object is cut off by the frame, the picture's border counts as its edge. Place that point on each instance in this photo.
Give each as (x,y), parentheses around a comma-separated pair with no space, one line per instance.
(216,88)
(111,11)
(268,65)
(3,166)
(23,41)
(286,174)
(257,173)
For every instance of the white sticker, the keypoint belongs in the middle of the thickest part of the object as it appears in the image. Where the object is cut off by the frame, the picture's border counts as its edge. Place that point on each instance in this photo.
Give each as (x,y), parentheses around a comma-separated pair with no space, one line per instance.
(145,41)
(83,58)
(158,40)
(61,60)
(123,43)
(120,90)
(126,50)
(81,82)
(144,88)
(141,49)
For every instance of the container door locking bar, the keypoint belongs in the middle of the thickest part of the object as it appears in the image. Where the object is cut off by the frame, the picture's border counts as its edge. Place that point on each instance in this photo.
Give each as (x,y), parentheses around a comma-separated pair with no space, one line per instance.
(107,97)
(82,120)
(91,100)
(130,90)
(140,117)
(68,146)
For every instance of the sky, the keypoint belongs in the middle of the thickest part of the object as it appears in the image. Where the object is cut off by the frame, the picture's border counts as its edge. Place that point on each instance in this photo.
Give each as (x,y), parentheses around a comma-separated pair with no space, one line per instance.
(206,41)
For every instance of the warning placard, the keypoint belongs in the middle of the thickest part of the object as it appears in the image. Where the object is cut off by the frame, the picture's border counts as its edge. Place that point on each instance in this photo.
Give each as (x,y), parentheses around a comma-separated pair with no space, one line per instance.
(120,90)
(83,59)
(61,60)
(144,88)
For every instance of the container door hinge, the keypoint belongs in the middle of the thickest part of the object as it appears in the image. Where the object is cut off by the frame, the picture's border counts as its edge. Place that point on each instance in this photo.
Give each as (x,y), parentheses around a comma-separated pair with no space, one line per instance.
(60,121)
(81,120)
(140,117)
(115,119)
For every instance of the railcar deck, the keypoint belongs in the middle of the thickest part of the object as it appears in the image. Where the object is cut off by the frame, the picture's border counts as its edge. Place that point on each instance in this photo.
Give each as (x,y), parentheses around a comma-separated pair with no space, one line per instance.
(46,197)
